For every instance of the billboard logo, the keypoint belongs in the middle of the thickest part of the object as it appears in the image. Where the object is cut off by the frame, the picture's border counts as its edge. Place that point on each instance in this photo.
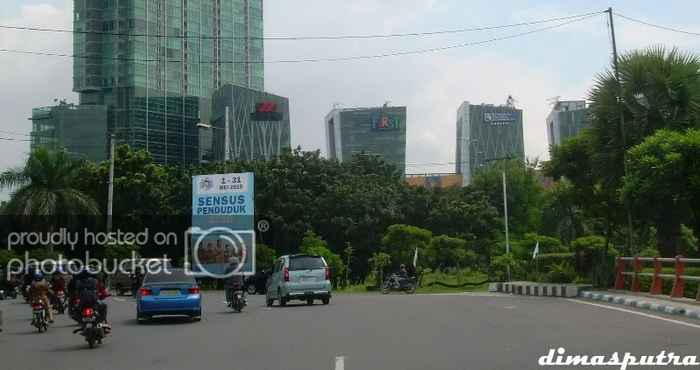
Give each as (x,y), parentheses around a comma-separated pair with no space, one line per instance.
(266,111)
(499,118)
(266,107)
(385,121)
(205,184)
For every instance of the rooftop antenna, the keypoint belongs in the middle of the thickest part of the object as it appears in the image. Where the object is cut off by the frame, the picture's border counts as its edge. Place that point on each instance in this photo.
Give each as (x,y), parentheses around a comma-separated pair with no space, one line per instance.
(510,102)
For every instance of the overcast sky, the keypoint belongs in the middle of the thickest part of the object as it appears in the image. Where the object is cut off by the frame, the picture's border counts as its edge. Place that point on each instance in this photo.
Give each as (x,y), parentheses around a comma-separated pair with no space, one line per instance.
(560,62)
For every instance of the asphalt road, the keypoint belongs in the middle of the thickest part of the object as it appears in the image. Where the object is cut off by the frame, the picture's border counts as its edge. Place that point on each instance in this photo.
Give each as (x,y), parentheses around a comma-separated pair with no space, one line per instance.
(469,331)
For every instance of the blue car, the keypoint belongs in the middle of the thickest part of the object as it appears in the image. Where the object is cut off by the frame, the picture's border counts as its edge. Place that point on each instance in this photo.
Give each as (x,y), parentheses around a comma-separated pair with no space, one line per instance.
(169,293)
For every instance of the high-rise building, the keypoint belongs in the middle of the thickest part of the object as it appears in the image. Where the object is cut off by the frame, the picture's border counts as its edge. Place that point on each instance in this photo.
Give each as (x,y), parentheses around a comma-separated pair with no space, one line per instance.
(71,128)
(256,124)
(566,119)
(486,133)
(156,63)
(380,131)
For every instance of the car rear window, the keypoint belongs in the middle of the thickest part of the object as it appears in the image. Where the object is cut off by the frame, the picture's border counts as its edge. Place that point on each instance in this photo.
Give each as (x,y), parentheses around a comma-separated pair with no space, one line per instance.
(169,276)
(305,263)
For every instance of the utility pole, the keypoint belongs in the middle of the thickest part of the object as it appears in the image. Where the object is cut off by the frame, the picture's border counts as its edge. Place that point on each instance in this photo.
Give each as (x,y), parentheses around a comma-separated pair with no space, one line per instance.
(110,184)
(623,133)
(227,138)
(505,216)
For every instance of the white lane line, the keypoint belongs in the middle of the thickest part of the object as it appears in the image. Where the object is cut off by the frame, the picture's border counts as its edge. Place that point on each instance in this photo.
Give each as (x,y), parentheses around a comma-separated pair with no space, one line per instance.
(637,313)
(119,299)
(340,363)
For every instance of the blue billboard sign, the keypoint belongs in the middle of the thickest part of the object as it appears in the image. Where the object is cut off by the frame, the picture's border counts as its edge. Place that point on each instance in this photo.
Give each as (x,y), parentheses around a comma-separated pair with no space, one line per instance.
(223,212)
(499,118)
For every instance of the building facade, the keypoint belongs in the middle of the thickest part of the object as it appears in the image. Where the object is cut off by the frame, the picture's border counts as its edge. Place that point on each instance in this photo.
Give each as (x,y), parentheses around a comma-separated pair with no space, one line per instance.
(156,63)
(380,131)
(435,180)
(486,133)
(566,119)
(72,128)
(256,124)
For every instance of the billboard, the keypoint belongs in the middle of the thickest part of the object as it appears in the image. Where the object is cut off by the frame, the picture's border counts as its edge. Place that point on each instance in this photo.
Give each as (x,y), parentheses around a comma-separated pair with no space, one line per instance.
(385,121)
(223,212)
(500,118)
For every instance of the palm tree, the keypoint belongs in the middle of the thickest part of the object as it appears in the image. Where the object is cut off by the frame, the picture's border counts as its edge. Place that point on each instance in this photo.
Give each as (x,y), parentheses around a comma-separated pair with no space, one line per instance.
(658,89)
(45,187)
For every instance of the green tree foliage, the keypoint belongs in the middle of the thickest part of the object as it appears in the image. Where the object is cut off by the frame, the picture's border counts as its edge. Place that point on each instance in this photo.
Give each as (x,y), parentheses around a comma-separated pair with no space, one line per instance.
(265,257)
(401,241)
(314,245)
(378,263)
(46,187)
(525,193)
(663,184)
(524,247)
(446,252)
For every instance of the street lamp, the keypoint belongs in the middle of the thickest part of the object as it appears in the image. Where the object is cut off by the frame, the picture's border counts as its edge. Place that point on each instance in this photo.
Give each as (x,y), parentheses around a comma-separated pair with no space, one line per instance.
(505,208)
(227,144)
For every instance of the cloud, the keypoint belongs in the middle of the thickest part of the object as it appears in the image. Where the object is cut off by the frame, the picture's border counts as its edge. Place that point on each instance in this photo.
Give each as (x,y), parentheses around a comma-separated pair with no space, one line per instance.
(30,81)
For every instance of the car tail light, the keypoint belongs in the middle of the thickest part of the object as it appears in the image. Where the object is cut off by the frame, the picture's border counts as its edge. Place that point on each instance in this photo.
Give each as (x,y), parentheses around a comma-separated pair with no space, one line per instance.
(88,312)
(286,274)
(328,273)
(193,290)
(144,292)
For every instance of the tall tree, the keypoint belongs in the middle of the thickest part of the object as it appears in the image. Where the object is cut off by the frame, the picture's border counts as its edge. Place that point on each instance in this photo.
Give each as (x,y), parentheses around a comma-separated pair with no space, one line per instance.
(46,187)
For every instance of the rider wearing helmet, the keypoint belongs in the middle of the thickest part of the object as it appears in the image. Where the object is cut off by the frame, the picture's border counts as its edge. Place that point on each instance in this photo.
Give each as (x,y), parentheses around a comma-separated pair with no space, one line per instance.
(233,282)
(39,292)
(92,293)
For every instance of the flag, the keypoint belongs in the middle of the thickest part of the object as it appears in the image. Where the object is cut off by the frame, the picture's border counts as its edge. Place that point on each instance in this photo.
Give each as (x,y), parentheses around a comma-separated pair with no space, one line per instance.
(536,251)
(415,258)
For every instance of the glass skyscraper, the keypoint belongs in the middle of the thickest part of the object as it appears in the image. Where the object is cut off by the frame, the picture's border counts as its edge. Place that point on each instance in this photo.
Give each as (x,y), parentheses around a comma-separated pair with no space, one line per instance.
(378,131)
(156,63)
(486,133)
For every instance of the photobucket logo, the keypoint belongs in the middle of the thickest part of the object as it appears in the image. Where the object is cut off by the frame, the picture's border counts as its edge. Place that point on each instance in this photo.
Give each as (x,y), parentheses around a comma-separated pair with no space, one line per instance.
(557,357)
(66,238)
(219,252)
(74,266)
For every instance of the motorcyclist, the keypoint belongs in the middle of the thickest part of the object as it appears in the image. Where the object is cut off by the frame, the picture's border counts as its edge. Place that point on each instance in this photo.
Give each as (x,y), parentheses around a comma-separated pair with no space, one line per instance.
(92,293)
(39,292)
(403,273)
(58,284)
(234,282)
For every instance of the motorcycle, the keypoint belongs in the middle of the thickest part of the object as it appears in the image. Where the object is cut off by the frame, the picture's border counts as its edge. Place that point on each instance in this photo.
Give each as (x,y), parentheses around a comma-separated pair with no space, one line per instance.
(397,283)
(60,302)
(13,292)
(39,317)
(91,327)
(74,310)
(237,301)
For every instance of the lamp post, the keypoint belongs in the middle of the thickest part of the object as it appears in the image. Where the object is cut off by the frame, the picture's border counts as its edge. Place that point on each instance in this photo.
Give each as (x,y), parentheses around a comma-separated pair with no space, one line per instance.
(505,208)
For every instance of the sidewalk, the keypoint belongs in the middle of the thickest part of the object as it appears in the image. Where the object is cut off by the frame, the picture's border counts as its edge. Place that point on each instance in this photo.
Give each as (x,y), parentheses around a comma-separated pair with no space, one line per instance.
(664,304)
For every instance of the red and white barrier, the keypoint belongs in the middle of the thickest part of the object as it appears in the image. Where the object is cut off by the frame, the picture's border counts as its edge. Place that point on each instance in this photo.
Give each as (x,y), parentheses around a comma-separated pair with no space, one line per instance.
(657,277)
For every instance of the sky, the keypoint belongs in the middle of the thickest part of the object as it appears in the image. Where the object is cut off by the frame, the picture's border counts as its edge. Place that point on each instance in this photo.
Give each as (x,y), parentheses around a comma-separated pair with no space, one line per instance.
(535,68)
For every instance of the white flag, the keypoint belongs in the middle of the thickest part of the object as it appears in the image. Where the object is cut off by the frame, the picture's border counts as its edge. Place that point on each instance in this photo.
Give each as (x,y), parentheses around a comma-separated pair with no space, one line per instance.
(415,258)
(536,251)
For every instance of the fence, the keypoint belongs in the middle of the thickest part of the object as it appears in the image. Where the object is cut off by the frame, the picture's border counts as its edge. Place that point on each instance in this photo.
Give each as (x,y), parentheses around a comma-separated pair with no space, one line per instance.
(657,277)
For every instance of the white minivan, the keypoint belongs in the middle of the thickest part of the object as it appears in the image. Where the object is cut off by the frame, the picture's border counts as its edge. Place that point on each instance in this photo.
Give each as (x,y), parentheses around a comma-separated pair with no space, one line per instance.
(299,277)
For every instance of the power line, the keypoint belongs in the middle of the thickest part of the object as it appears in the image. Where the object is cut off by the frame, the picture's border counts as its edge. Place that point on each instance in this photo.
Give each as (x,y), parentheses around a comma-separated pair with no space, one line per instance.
(666,28)
(302,38)
(14,133)
(316,60)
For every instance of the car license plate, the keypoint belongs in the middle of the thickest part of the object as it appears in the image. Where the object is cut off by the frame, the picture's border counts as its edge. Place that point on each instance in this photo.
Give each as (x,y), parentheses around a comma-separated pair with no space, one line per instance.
(169,292)
(308,280)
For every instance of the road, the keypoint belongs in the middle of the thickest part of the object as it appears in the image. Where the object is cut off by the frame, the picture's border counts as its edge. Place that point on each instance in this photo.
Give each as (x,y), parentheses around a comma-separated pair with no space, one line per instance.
(468,331)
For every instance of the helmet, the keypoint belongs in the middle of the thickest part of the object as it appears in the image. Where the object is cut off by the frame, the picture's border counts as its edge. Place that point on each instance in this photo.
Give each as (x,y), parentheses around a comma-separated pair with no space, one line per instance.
(38,276)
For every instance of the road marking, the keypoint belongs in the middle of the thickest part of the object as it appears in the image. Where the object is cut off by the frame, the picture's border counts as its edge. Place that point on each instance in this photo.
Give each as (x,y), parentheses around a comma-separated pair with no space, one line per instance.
(509,307)
(638,313)
(340,363)
(119,299)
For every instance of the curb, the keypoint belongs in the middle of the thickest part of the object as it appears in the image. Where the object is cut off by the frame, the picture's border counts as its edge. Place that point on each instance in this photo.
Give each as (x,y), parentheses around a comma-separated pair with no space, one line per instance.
(642,304)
